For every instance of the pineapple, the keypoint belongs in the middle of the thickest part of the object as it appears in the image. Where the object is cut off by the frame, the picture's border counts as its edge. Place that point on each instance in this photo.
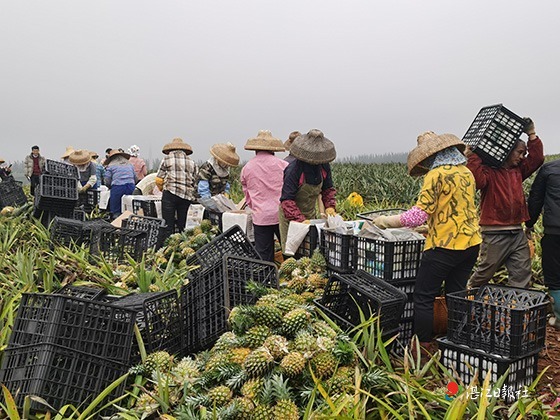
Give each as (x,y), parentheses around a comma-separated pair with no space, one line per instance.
(244,407)
(305,343)
(295,320)
(206,226)
(308,296)
(304,263)
(277,345)
(256,335)
(146,403)
(220,395)
(238,355)
(285,304)
(267,300)
(323,364)
(323,329)
(293,364)
(262,412)
(317,281)
(339,383)
(159,361)
(185,370)
(199,240)
(297,298)
(268,315)
(240,320)
(252,388)
(258,362)
(298,284)
(318,263)
(217,360)
(286,409)
(226,341)
(287,267)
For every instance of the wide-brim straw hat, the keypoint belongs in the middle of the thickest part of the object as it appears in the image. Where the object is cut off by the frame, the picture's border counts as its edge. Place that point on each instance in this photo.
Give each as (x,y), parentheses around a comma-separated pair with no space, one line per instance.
(225,154)
(116,152)
(79,157)
(429,143)
(2,161)
(177,144)
(94,155)
(313,148)
(68,152)
(293,135)
(265,141)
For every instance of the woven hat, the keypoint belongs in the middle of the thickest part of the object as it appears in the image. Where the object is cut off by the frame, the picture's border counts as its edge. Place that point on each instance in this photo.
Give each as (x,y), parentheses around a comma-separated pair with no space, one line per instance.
(79,157)
(94,155)
(68,152)
(429,143)
(2,161)
(291,138)
(225,154)
(265,141)
(116,152)
(313,148)
(177,144)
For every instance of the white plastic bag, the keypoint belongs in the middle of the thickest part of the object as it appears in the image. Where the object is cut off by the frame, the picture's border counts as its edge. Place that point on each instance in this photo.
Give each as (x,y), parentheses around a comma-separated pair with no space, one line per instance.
(194,215)
(296,234)
(242,218)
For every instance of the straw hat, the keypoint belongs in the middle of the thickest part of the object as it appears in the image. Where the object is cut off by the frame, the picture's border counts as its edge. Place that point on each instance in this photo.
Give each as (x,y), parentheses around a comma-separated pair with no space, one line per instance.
(313,148)
(94,155)
(68,152)
(291,138)
(177,144)
(2,161)
(225,154)
(265,141)
(429,143)
(116,152)
(79,157)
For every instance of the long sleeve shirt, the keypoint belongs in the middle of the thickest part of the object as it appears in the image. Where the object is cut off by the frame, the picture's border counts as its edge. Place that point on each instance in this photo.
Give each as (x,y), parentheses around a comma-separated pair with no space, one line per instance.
(119,175)
(262,180)
(178,172)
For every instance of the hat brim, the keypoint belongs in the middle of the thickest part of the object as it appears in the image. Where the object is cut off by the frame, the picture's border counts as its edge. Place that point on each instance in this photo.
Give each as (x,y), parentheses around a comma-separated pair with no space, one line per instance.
(269,146)
(224,162)
(430,148)
(171,147)
(124,154)
(80,162)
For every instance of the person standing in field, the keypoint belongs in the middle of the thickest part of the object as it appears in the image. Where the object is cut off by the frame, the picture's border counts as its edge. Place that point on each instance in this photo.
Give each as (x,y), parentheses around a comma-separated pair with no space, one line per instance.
(87,170)
(503,210)
(288,144)
(137,162)
(99,170)
(545,197)
(213,175)
(307,177)
(176,177)
(120,178)
(34,167)
(262,180)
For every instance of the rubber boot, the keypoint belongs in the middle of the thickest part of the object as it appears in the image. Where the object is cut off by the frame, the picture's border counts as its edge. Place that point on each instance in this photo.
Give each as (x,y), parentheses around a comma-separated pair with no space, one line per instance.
(555,294)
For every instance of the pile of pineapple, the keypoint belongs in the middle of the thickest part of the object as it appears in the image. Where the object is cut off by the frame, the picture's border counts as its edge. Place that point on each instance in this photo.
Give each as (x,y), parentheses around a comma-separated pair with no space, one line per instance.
(179,246)
(267,365)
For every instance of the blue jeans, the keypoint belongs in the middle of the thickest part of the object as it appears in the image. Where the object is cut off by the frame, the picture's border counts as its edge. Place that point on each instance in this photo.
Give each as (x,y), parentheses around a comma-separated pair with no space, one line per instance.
(115,199)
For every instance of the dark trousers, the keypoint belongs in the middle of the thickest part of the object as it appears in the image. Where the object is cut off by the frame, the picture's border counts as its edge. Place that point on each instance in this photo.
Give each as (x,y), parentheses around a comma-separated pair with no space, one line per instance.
(174,212)
(35,179)
(264,240)
(439,265)
(551,261)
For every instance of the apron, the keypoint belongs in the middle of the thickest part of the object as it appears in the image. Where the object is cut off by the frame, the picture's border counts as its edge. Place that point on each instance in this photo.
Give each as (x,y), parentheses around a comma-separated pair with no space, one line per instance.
(306,200)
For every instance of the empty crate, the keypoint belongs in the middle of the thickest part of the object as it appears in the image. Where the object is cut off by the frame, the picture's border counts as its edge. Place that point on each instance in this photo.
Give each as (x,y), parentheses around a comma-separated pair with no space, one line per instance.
(117,244)
(497,319)
(146,208)
(153,227)
(66,170)
(89,200)
(493,133)
(11,193)
(56,192)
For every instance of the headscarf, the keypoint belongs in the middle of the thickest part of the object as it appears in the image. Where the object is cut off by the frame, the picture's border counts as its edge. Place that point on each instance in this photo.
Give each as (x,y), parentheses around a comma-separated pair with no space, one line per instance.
(134,150)
(118,160)
(221,171)
(449,156)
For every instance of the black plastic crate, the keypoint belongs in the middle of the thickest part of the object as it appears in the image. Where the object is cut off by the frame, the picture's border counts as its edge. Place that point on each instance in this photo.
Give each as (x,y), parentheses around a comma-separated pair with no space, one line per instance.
(389,260)
(145,207)
(370,215)
(208,299)
(498,319)
(65,231)
(405,335)
(96,328)
(79,214)
(53,167)
(56,192)
(11,193)
(215,218)
(117,244)
(338,250)
(465,363)
(309,243)
(493,134)
(89,200)
(59,375)
(233,241)
(346,294)
(87,293)
(153,227)
(158,319)
(407,287)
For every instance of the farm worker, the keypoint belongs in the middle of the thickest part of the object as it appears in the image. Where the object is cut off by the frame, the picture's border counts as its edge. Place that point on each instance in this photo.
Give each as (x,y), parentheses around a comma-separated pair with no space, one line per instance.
(262,179)
(137,162)
(120,178)
(288,143)
(213,175)
(107,151)
(447,203)
(66,155)
(503,210)
(34,167)
(87,169)
(305,178)
(545,194)
(176,177)
(99,169)
(5,171)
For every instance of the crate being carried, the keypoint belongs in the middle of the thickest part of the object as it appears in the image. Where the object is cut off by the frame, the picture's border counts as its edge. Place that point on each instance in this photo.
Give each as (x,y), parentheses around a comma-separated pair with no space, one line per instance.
(498,319)
(11,193)
(62,169)
(466,363)
(347,294)
(493,134)
(56,193)
(89,200)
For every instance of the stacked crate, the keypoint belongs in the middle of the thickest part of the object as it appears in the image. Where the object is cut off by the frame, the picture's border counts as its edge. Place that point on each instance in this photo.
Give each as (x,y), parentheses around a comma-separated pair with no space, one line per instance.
(224,267)
(491,329)
(11,193)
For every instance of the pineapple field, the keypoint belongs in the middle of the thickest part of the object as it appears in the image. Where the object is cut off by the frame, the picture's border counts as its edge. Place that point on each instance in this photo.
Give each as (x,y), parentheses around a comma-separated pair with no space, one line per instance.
(277,354)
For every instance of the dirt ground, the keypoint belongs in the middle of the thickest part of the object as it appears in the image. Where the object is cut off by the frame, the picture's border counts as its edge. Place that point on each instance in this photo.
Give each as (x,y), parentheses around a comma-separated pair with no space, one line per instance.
(549,385)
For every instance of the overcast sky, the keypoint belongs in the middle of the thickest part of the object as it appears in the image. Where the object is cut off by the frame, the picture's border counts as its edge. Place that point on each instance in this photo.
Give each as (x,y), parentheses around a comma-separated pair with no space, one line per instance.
(371,75)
